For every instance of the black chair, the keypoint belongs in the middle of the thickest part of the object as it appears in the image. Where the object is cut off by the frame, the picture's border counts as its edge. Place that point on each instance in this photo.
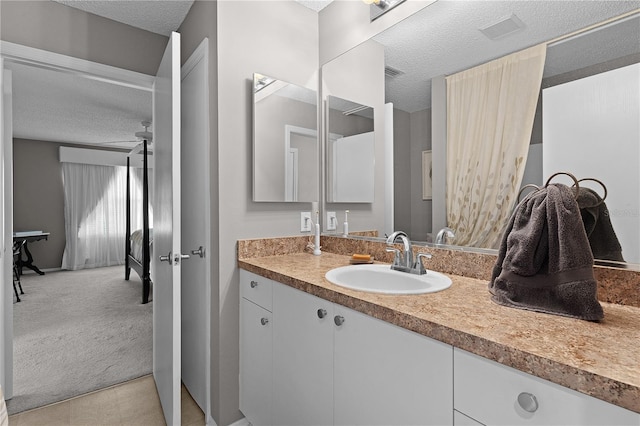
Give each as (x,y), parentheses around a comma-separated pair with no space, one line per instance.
(17,253)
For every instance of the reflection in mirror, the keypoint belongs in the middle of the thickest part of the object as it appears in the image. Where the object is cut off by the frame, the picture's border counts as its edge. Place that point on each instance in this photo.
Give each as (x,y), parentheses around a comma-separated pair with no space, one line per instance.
(350,152)
(285,141)
(414,51)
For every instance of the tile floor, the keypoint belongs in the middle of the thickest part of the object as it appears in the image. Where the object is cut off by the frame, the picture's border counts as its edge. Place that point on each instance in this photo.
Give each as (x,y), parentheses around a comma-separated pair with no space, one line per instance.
(134,403)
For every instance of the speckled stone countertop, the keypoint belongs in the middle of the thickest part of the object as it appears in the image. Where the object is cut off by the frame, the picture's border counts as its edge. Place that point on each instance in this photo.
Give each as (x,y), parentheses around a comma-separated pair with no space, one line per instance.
(599,359)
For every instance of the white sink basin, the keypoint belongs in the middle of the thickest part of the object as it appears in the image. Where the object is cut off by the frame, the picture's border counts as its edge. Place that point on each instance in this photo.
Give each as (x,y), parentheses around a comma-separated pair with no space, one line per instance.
(382,279)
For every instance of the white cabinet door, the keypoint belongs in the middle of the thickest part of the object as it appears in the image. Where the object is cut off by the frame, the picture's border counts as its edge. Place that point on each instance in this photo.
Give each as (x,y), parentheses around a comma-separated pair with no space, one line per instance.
(495,394)
(256,366)
(302,358)
(386,375)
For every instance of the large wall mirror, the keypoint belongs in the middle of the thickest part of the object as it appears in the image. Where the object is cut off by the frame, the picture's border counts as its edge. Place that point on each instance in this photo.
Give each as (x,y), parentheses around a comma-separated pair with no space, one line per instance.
(285,141)
(448,37)
(350,152)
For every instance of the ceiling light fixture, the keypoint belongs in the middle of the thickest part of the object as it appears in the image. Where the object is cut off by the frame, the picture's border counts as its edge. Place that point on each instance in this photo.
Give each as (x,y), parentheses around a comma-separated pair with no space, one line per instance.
(377,8)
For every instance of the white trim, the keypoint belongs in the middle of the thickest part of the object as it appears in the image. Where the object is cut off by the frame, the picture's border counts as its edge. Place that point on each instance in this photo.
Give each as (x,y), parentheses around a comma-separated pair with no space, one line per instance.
(17,53)
(242,422)
(98,157)
(389,220)
(292,174)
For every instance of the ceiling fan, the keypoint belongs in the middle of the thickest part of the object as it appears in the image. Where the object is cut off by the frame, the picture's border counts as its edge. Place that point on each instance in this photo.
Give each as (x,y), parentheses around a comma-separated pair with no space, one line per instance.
(140,136)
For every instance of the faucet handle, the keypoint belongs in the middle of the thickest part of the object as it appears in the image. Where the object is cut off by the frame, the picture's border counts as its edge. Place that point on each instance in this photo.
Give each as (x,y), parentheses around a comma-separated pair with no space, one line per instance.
(419,267)
(396,255)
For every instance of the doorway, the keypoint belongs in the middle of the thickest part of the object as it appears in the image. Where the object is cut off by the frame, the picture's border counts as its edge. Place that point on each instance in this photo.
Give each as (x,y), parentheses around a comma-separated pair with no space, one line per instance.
(75,91)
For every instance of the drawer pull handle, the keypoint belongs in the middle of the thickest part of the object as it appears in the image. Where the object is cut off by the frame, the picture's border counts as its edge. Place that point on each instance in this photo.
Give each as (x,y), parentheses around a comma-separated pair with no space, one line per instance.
(338,319)
(254,284)
(528,402)
(322,313)
(264,321)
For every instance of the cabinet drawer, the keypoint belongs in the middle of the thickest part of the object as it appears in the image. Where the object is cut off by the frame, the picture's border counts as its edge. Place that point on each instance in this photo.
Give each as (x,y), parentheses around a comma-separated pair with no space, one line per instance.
(257,289)
(489,392)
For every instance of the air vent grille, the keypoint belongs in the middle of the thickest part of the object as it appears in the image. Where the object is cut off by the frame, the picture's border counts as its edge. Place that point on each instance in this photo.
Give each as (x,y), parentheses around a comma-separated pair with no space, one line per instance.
(503,28)
(392,72)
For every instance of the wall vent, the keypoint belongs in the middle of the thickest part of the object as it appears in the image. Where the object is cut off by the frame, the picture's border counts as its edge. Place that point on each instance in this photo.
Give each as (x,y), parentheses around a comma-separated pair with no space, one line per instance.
(392,72)
(503,27)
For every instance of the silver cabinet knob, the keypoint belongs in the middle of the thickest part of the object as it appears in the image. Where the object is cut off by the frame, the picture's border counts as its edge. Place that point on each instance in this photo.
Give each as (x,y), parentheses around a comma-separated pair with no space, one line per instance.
(166,258)
(264,321)
(178,257)
(254,284)
(528,402)
(322,313)
(338,319)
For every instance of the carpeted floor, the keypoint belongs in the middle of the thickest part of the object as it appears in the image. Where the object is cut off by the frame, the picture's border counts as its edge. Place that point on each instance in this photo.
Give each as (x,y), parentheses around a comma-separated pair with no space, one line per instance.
(76,332)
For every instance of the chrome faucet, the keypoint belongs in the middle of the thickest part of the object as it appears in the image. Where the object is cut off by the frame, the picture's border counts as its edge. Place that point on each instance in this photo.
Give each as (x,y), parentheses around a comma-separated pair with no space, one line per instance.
(403,261)
(444,233)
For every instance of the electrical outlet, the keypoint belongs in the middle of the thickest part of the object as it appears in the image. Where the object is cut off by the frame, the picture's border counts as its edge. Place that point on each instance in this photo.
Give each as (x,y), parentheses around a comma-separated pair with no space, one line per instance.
(332,221)
(305,221)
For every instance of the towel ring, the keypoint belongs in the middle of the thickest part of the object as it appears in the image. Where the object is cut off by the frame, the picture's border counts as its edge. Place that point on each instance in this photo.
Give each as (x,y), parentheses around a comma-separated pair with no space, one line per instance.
(529,185)
(604,196)
(576,185)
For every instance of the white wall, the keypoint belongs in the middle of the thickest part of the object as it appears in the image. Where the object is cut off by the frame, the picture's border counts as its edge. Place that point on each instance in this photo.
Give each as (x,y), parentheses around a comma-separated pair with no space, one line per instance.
(591,128)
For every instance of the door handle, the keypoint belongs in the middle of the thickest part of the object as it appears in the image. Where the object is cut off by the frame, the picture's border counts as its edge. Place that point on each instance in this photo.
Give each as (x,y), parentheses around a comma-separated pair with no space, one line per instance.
(199,252)
(166,258)
(178,257)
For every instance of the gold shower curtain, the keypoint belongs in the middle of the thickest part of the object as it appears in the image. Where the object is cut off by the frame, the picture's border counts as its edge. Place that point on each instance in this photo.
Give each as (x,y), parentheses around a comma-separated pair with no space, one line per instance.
(490,112)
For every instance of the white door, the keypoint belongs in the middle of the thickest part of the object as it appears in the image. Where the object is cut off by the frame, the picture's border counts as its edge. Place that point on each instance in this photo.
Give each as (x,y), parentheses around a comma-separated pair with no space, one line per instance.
(166,233)
(6,230)
(196,292)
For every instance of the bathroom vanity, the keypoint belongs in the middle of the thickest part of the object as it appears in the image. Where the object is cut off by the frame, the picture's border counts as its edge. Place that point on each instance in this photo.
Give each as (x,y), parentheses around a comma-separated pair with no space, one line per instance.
(315,353)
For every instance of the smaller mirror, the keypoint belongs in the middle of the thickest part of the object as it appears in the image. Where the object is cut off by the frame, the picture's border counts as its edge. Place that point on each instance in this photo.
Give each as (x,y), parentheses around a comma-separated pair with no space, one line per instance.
(350,152)
(285,141)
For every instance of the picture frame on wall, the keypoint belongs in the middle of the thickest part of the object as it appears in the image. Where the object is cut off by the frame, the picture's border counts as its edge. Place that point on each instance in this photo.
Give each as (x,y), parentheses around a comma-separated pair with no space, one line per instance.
(427,173)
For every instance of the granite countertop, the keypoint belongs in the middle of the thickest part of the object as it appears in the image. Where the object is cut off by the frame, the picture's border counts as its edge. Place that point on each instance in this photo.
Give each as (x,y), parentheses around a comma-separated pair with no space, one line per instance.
(600,359)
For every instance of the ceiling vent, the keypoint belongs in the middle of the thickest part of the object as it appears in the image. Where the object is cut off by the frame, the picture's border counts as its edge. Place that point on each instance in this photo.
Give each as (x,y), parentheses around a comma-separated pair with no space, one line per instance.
(392,72)
(503,28)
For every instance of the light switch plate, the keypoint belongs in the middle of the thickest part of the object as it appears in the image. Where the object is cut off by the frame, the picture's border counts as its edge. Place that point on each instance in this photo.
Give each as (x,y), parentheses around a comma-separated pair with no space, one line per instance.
(305,221)
(332,221)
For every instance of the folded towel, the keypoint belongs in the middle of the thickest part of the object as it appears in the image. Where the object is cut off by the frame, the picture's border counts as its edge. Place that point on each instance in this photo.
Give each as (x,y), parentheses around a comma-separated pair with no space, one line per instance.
(544,262)
(597,224)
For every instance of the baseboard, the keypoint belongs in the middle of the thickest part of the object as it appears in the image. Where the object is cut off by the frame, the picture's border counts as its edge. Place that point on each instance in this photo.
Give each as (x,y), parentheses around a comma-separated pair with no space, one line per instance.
(45,270)
(242,422)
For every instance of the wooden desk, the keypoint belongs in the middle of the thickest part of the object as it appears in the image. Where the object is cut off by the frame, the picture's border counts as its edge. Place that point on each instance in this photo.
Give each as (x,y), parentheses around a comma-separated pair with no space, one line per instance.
(20,241)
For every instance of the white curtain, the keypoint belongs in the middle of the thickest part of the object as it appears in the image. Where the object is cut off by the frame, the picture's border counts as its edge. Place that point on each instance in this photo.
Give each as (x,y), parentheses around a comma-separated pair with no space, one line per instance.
(490,112)
(94,210)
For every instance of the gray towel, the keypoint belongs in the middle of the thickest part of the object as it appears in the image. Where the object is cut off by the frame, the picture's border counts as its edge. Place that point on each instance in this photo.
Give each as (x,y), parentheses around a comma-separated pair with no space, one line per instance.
(597,224)
(545,263)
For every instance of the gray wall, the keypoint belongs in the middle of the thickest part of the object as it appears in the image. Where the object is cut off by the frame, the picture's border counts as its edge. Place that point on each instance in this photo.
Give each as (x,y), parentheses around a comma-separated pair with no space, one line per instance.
(279,39)
(38,198)
(402,173)
(411,136)
(61,29)
(420,141)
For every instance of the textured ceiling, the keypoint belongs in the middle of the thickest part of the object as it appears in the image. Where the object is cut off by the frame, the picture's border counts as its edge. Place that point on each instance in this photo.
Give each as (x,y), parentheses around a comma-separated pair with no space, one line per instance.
(441,39)
(63,107)
(444,38)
